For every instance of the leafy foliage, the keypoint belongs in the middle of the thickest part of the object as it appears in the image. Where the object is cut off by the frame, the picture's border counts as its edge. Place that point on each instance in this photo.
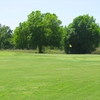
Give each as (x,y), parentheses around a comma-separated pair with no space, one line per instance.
(45,30)
(39,30)
(5,37)
(83,34)
(20,38)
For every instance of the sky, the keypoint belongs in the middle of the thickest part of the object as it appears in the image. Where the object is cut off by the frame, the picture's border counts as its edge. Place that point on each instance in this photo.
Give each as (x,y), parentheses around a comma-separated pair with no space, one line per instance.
(12,12)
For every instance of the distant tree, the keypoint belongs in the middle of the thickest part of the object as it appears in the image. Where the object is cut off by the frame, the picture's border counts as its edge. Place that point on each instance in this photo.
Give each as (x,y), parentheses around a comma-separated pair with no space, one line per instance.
(21,34)
(5,37)
(83,34)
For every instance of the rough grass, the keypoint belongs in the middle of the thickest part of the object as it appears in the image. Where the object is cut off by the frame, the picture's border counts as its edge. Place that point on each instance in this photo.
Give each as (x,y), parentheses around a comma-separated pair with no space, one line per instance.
(28,76)
(97,51)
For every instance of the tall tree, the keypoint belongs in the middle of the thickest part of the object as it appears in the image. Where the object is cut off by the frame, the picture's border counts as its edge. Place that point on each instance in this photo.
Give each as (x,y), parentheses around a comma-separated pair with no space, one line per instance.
(38,31)
(45,29)
(5,37)
(83,34)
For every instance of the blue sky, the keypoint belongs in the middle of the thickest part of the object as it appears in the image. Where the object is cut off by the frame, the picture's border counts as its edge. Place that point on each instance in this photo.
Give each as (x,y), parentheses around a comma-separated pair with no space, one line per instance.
(12,12)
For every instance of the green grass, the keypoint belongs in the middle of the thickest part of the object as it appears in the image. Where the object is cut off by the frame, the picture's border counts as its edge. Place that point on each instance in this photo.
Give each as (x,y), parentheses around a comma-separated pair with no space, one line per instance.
(28,76)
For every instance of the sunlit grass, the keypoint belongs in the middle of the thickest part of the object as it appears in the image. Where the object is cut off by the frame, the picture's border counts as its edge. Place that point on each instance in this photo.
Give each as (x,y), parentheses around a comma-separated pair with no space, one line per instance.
(28,76)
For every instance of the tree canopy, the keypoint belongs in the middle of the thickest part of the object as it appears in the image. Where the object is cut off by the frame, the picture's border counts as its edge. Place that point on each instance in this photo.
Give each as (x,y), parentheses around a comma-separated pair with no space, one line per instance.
(5,37)
(46,30)
(83,34)
(20,37)
(39,30)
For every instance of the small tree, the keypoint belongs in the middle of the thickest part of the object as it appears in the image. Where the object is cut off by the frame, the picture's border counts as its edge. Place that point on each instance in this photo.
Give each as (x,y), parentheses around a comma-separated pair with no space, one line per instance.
(5,37)
(21,34)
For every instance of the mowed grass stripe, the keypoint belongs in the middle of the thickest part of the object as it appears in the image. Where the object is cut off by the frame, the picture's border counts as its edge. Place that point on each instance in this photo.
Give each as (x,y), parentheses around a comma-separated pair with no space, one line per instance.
(27,76)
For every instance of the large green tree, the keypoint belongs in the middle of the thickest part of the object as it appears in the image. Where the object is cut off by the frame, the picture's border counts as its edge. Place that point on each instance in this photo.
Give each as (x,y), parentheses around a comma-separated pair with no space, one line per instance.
(5,37)
(83,34)
(45,29)
(40,29)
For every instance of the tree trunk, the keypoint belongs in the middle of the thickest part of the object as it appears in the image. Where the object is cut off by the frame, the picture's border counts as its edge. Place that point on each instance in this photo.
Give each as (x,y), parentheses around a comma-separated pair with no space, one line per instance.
(40,49)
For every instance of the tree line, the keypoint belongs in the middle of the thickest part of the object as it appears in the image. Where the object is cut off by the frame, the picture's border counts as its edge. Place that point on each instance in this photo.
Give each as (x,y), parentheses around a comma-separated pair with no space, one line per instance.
(46,30)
